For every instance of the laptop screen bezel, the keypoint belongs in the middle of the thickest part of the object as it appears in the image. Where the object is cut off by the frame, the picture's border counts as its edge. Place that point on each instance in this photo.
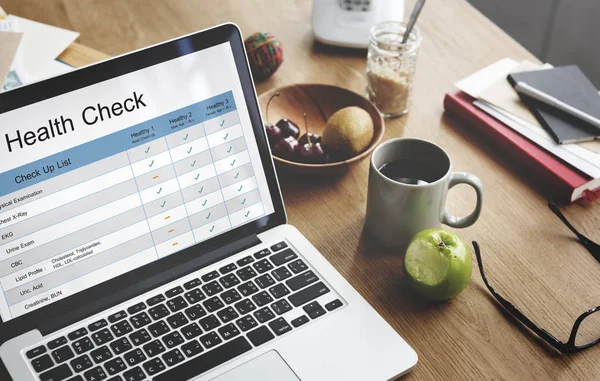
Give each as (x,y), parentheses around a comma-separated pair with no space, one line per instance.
(119,66)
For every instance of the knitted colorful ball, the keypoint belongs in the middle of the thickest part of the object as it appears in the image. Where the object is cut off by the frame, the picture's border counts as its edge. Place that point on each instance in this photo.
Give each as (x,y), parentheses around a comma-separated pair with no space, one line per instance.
(265,54)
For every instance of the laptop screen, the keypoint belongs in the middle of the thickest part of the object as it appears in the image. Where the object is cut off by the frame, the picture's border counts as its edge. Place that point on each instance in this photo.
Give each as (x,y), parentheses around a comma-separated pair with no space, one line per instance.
(110,177)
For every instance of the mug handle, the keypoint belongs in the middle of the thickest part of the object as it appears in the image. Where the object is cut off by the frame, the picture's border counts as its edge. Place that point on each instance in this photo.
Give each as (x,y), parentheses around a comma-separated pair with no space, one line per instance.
(472,180)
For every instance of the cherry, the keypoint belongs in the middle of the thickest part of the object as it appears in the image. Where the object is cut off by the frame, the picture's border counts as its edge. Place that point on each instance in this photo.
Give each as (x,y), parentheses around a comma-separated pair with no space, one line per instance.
(311,152)
(314,138)
(288,128)
(286,148)
(274,133)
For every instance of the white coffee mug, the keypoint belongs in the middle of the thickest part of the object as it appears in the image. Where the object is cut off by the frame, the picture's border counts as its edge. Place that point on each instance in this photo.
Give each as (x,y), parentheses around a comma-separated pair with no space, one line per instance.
(397,211)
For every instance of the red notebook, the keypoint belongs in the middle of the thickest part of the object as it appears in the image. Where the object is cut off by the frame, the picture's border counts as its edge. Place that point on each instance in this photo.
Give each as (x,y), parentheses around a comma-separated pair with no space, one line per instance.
(567,183)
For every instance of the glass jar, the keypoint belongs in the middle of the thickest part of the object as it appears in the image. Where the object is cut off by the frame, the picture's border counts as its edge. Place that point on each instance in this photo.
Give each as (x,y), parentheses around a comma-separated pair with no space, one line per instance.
(391,67)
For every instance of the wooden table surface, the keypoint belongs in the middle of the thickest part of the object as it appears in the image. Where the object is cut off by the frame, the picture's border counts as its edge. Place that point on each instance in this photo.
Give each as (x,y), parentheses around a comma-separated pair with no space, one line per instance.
(529,255)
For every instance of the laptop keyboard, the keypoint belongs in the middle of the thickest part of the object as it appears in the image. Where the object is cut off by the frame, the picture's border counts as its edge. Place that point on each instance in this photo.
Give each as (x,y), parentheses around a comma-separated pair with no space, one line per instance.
(194,327)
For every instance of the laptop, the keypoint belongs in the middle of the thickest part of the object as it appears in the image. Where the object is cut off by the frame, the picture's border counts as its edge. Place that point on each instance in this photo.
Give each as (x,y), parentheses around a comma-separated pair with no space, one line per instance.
(143,234)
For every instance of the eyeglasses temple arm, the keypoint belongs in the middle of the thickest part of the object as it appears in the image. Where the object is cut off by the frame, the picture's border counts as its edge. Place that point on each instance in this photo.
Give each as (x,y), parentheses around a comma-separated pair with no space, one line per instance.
(590,245)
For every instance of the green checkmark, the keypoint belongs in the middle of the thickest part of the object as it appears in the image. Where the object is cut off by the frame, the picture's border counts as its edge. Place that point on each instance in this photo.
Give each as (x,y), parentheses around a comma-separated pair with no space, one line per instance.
(213,228)
(243,202)
(186,136)
(197,177)
(201,189)
(151,164)
(229,150)
(207,217)
(240,189)
(190,150)
(147,150)
(204,203)
(247,213)
(233,162)
(223,122)
(237,175)
(194,163)
(226,135)
(160,190)
(165,203)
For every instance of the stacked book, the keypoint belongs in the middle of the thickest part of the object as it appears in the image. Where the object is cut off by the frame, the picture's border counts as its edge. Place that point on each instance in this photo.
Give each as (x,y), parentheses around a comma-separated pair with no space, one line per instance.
(561,152)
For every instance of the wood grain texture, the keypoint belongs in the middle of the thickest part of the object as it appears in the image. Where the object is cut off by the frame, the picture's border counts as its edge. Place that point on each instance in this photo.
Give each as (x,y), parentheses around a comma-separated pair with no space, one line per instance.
(529,255)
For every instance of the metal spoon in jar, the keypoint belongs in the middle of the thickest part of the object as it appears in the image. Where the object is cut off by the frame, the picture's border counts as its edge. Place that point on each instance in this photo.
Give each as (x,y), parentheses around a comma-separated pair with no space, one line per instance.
(413,19)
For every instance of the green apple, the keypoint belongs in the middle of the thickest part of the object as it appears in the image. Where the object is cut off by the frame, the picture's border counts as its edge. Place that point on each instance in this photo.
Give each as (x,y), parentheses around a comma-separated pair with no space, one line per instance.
(438,263)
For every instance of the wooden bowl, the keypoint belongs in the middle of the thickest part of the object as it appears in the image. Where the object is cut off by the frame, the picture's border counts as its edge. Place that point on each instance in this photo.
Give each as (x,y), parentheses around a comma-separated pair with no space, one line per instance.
(319,102)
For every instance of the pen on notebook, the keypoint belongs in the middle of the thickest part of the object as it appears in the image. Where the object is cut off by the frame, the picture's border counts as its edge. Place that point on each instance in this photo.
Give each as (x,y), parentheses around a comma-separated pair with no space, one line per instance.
(525,89)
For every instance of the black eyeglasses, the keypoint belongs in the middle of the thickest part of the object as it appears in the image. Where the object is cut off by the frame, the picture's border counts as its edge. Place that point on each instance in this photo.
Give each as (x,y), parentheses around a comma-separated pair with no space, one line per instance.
(570,346)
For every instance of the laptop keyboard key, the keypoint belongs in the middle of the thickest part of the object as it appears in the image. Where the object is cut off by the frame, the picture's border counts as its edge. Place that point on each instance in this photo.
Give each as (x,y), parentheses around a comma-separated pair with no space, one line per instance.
(140,337)
(281,273)
(82,345)
(227,314)
(174,292)
(210,340)
(135,374)
(191,331)
(97,325)
(246,273)
(248,288)
(260,336)
(153,366)
(121,328)
(333,305)
(59,373)
(309,293)
(262,299)
(244,306)
(158,329)
(265,281)
(228,331)
(297,266)
(261,254)
(244,261)
(136,308)
(195,312)
(300,321)
(35,352)
(192,348)
(262,266)
(283,257)
(135,356)
(154,348)
(57,342)
(246,323)
(158,312)
(210,276)
(230,296)
(140,320)
(212,288)
(210,322)
(302,280)
(62,354)
(173,339)
(264,314)
(213,304)
(279,291)
(227,268)
(210,360)
(173,357)
(115,366)
(102,337)
(229,280)
(101,354)
(177,320)
(77,334)
(280,326)
(79,378)
(177,304)
(192,283)
(155,300)
(194,296)
(81,363)
(42,363)
(280,307)
(314,310)
(117,316)
(279,246)
(120,346)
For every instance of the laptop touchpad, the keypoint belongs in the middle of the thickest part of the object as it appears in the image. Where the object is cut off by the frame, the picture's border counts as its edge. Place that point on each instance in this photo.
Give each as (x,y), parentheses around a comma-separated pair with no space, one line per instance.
(267,367)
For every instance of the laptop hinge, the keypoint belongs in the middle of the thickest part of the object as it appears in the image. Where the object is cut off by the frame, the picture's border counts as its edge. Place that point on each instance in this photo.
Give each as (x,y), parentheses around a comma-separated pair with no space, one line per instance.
(150,283)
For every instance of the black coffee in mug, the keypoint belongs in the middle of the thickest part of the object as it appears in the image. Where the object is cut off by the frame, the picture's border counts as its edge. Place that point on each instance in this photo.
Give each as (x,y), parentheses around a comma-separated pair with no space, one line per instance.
(412,172)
